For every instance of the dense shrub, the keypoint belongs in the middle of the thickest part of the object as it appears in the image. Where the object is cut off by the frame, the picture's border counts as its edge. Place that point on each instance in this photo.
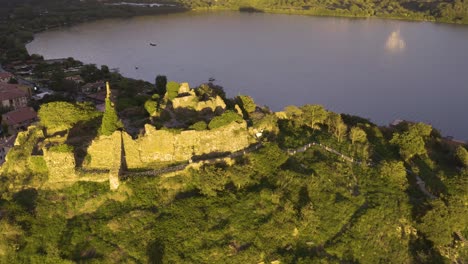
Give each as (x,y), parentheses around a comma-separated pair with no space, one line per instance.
(63,115)
(224,119)
(172,90)
(199,126)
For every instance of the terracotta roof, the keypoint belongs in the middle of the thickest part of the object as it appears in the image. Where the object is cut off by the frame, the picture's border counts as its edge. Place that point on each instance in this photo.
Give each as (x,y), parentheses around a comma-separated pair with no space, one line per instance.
(11,91)
(5,75)
(19,115)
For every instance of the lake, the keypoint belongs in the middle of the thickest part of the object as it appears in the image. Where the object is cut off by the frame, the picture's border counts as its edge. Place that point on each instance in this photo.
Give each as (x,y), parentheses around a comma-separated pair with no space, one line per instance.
(378,69)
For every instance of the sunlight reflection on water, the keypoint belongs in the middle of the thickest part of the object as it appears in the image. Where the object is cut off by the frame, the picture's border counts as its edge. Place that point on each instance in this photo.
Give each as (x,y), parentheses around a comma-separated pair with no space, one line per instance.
(395,42)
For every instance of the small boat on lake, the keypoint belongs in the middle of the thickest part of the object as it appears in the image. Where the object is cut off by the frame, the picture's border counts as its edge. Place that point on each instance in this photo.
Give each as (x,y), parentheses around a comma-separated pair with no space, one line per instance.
(153,44)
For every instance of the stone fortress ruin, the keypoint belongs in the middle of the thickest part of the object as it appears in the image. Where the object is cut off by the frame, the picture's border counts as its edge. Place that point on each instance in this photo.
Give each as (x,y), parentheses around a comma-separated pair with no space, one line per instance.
(108,156)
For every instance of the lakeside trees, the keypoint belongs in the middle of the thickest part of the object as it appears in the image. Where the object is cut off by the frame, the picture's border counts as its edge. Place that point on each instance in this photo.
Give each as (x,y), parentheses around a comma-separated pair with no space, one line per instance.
(454,11)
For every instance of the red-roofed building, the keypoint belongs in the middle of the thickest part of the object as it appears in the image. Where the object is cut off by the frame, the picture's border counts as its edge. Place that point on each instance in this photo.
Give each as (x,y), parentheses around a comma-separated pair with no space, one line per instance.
(19,119)
(13,96)
(5,77)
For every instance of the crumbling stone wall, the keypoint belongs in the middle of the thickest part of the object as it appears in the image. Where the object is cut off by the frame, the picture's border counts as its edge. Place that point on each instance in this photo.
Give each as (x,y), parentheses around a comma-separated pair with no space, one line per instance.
(61,166)
(102,149)
(163,145)
(188,99)
(106,153)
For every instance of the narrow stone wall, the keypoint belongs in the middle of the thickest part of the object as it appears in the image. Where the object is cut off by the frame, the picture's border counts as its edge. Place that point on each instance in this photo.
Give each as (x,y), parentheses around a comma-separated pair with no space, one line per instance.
(116,161)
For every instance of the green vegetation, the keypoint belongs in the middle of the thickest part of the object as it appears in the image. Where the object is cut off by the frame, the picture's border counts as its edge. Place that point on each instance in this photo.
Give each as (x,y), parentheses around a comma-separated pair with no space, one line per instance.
(161,82)
(110,120)
(224,119)
(462,155)
(411,142)
(246,103)
(61,148)
(310,207)
(199,126)
(151,106)
(454,11)
(172,89)
(63,115)
(357,135)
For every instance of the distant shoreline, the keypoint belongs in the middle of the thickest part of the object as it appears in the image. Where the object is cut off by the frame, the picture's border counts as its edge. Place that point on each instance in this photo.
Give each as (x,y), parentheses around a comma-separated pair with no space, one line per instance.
(331,14)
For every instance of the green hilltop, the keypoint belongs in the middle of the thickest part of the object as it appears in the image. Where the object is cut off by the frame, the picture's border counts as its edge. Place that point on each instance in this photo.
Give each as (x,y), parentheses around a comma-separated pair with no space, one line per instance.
(182,175)
(209,179)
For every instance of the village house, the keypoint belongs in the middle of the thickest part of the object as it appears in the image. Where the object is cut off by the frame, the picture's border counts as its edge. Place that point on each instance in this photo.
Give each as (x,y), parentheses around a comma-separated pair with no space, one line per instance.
(53,61)
(93,87)
(22,68)
(75,78)
(14,96)
(5,77)
(72,70)
(19,119)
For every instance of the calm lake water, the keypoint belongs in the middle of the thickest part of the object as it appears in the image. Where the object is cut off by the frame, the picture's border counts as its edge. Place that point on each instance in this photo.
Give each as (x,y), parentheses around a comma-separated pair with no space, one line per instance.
(379,69)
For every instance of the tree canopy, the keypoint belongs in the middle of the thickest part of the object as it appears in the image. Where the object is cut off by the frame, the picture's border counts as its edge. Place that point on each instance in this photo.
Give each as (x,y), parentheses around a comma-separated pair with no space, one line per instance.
(314,115)
(462,155)
(410,144)
(161,82)
(357,135)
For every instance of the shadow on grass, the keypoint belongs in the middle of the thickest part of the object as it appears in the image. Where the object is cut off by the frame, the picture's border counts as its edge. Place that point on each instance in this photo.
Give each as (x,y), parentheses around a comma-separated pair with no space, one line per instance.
(81,137)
